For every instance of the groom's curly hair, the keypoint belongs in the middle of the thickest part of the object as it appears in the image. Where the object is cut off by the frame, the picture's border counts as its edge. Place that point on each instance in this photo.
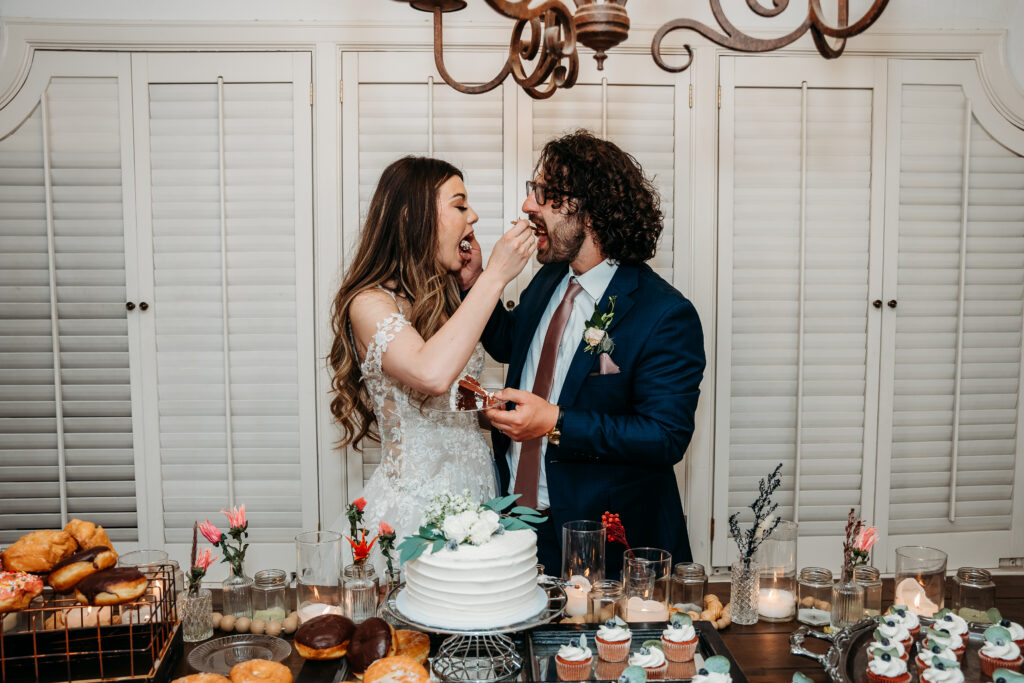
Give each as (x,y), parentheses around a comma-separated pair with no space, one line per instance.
(598,180)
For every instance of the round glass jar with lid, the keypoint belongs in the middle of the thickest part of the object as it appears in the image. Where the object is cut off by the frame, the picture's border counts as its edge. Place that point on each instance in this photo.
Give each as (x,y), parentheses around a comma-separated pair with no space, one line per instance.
(814,596)
(689,583)
(871,579)
(973,594)
(268,595)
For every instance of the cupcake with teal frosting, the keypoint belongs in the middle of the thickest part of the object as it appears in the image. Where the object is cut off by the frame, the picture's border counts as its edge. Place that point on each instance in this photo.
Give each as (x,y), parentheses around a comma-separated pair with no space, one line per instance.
(651,656)
(573,660)
(927,650)
(902,614)
(715,670)
(942,670)
(999,651)
(952,622)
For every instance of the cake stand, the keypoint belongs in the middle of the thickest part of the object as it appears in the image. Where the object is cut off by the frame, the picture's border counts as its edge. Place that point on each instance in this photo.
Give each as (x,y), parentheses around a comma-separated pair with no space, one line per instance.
(480,655)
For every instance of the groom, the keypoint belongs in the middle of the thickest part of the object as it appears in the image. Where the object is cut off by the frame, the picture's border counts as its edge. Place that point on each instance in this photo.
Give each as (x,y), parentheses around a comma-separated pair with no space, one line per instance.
(601,402)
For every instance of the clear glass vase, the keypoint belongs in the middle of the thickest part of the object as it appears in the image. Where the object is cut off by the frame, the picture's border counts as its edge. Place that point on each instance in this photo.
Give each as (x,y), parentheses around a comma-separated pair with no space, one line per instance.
(362,590)
(236,594)
(745,588)
(847,601)
(195,613)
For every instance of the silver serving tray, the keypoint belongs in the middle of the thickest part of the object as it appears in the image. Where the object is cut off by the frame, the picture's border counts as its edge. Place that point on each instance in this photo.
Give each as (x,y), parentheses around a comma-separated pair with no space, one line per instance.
(846,660)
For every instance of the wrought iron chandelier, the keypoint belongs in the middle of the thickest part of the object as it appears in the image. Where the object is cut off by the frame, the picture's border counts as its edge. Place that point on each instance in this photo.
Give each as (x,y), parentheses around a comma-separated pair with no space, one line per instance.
(549,47)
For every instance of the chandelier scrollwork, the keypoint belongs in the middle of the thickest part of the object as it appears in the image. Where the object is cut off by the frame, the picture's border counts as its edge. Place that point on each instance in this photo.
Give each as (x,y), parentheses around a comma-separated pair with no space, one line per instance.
(733,38)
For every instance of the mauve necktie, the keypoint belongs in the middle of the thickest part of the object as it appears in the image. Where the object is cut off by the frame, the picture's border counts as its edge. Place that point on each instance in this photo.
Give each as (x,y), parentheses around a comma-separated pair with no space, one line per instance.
(528,471)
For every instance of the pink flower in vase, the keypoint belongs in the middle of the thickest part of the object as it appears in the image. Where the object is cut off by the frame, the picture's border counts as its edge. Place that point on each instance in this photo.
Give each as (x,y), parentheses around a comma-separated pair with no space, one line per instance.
(865,539)
(386,529)
(236,517)
(210,532)
(360,504)
(204,560)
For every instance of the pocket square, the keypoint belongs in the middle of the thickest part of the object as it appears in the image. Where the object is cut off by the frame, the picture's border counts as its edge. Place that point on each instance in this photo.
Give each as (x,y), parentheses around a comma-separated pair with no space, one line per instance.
(606,365)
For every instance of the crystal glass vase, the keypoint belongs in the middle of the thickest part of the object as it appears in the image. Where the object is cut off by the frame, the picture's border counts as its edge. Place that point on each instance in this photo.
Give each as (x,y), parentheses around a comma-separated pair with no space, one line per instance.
(745,588)
(361,587)
(236,594)
(847,601)
(195,613)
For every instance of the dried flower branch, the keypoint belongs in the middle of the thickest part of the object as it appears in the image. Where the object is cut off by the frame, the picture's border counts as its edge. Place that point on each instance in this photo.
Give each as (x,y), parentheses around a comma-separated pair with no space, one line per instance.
(616,532)
(858,542)
(765,520)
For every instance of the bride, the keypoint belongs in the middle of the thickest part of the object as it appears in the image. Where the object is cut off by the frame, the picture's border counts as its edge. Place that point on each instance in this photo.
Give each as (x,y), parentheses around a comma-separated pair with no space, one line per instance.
(402,338)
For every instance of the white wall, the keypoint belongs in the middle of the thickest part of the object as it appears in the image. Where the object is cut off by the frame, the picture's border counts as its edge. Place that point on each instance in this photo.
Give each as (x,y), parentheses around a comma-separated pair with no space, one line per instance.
(900,15)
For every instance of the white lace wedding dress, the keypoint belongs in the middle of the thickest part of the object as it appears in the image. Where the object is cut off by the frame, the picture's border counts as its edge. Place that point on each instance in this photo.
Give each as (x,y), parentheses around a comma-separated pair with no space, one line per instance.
(425,449)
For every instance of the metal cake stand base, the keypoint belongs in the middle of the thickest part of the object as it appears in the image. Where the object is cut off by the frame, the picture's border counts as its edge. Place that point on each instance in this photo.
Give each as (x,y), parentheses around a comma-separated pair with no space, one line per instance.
(480,655)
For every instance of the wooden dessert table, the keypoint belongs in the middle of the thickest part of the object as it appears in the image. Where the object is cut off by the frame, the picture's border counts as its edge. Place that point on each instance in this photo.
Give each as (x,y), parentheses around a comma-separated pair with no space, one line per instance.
(762,650)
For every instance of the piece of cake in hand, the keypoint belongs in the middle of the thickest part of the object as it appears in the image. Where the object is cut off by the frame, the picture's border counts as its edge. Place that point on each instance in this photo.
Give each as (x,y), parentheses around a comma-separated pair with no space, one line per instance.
(928,649)
(999,651)
(942,670)
(613,639)
(680,638)
(715,670)
(651,656)
(573,660)
(903,615)
(887,667)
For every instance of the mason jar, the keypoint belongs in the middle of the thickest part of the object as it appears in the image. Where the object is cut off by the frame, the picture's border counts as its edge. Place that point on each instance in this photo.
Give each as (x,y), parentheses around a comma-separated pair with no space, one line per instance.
(871,579)
(973,592)
(268,595)
(814,596)
(689,583)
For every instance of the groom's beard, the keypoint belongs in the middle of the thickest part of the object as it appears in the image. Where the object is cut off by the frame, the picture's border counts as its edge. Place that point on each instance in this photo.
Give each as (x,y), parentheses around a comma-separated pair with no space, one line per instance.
(564,240)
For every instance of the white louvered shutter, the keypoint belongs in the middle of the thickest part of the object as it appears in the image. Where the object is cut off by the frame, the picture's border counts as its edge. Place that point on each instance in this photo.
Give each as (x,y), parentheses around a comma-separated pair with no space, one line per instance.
(794,341)
(234,357)
(956,355)
(399,117)
(75,459)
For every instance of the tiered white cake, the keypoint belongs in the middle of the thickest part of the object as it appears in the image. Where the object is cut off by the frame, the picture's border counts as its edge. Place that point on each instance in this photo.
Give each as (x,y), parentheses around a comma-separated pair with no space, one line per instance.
(475,586)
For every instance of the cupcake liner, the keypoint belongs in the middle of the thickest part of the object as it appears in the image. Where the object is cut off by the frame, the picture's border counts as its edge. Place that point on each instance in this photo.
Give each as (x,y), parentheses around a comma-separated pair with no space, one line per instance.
(877,678)
(613,651)
(573,671)
(656,673)
(990,664)
(680,670)
(609,671)
(679,652)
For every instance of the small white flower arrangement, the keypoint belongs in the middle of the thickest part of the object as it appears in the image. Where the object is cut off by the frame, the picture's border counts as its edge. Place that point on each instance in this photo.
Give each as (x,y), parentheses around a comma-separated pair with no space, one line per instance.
(451,521)
(595,334)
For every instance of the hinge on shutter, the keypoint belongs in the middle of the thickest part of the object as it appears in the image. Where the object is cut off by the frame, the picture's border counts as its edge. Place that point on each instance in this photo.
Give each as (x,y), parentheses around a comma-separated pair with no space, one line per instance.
(719,96)
(311,94)
(712,529)
(691,96)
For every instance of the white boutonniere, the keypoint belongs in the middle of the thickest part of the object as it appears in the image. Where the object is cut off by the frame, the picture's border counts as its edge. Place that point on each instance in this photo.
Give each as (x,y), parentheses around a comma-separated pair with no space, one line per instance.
(595,333)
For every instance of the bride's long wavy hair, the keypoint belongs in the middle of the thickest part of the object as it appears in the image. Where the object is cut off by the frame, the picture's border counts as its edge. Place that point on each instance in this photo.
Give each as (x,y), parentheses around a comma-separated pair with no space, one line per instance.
(398,244)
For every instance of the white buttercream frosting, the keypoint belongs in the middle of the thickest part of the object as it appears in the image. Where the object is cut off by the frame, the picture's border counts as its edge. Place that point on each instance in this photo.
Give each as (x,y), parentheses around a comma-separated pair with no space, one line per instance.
(653,658)
(909,619)
(892,643)
(953,623)
(954,675)
(1016,630)
(712,677)
(572,652)
(897,631)
(943,637)
(926,654)
(679,633)
(1007,651)
(893,668)
(614,633)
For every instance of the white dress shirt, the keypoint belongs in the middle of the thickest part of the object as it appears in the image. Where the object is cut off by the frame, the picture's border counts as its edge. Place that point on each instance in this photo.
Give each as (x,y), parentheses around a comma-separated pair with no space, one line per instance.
(594,282)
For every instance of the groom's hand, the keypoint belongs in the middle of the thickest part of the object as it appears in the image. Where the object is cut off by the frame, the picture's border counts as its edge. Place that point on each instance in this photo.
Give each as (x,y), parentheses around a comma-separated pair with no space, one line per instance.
(532,416)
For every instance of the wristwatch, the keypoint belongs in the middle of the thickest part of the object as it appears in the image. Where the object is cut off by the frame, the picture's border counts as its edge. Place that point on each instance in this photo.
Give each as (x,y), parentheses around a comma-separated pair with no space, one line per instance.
(554,435)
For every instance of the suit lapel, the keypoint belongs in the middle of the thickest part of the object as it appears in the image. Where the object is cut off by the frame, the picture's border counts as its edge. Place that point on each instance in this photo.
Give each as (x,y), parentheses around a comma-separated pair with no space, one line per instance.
(623,284)
(530,320)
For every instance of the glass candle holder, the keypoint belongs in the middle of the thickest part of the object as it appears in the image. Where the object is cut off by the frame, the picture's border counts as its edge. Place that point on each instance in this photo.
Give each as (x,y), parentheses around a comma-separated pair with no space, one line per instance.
(871,579)
(647,580)
(362,591)
(268,595)
(165,577)
(196,615)
(689,583)
(814,596)
(920,579)
(776,558)
(973,594)
(583,550)
(605,597)
(318,590)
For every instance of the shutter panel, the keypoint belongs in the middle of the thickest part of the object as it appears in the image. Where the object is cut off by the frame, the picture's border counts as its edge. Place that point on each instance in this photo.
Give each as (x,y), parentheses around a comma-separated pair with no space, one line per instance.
(935,488)
(638,118)
(261,369)
(82,135)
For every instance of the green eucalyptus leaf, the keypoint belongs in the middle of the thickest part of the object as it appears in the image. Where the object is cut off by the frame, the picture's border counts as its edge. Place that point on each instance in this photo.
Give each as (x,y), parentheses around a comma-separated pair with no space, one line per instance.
(717,664)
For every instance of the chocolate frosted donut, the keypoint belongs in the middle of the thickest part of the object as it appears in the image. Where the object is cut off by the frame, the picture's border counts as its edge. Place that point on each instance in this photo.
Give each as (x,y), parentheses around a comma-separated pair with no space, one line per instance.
(71,570)
(324,637)
(373,639)
(111,586)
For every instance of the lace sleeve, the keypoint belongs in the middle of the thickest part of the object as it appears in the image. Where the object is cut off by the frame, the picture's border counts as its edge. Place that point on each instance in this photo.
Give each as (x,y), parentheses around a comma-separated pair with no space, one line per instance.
(378,344)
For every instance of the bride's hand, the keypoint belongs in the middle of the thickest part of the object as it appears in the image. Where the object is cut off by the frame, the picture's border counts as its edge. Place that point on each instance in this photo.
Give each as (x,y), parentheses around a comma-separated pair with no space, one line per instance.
(513,251)
(472,265)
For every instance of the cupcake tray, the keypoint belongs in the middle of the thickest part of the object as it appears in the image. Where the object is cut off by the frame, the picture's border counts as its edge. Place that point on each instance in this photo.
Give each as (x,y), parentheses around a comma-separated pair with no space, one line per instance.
(847,659)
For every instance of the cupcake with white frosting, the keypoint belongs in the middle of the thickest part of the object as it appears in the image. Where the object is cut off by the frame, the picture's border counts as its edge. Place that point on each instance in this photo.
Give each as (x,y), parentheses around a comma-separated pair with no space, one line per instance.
(999,651)
(887,667)
(893,629)
(715,670)
(952,622)
(573,660)
(680,638)
(613,640)
(942,670)
(1015,629)
(881,643)
(944,638)
(927,650)
(902,614)
(651,656)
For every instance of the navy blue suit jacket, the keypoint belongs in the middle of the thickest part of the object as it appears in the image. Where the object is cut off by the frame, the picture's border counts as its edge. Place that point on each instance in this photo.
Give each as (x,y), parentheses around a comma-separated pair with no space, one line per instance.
(623,432)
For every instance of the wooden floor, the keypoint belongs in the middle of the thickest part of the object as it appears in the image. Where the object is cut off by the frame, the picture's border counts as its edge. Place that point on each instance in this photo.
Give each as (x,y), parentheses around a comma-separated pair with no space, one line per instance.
(761,650)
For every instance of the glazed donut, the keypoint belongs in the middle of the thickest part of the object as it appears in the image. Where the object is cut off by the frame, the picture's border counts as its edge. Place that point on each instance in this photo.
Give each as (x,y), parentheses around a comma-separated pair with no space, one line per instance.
(397,669)
(412,644)
(18,589)
(202,678)
(373,639)
(71,570)
(260,671)
(87,534)
(111,586)
(324,637)
(39,551)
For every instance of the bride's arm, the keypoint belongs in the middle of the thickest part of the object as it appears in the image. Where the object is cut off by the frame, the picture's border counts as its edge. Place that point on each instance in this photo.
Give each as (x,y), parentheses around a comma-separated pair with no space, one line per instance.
(431,366)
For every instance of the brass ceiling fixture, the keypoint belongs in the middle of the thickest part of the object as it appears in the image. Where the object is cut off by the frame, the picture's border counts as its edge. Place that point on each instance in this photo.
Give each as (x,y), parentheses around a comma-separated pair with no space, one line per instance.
(602,24)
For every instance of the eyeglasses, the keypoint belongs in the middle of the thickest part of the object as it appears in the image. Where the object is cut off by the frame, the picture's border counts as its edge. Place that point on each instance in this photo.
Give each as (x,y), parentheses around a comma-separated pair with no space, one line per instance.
(542,192)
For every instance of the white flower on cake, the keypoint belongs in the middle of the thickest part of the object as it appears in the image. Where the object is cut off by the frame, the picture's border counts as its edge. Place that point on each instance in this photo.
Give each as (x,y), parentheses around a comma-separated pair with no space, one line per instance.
(486,524)
(456,527)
